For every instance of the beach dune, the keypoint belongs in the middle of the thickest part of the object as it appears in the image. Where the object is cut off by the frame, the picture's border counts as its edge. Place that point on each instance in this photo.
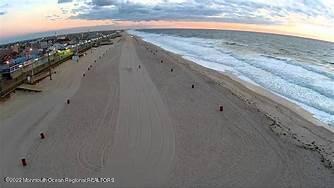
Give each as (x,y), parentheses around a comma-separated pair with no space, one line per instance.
(149,118)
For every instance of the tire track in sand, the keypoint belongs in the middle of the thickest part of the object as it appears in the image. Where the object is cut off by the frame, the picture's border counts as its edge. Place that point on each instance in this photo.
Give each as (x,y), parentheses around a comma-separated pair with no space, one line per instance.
(143,149)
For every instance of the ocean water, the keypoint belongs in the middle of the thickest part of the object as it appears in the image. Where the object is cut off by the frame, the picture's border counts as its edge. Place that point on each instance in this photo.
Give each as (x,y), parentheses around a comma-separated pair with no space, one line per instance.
(300,70)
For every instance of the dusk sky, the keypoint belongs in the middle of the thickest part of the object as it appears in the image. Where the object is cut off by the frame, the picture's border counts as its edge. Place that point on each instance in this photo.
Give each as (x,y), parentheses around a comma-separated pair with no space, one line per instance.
(307,18)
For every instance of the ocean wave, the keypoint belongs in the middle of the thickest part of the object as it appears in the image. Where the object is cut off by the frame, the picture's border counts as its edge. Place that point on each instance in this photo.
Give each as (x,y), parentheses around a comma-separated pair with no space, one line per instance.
(327,62)
(234,44)
(275,57)
(296,74)
(309,85)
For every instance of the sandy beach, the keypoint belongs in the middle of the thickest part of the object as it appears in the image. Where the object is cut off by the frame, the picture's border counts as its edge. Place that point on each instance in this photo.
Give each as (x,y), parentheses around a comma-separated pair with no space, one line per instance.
(135,117)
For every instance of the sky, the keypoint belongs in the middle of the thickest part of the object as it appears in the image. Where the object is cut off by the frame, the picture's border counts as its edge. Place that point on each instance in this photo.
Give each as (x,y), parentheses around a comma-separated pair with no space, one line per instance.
(305,18)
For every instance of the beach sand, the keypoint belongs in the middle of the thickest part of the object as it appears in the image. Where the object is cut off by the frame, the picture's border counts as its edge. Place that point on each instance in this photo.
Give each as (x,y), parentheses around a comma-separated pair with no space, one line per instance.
(135,117)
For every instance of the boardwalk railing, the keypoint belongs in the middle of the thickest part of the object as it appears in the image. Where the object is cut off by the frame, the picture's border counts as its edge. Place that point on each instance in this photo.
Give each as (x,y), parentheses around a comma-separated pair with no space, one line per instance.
(35,68)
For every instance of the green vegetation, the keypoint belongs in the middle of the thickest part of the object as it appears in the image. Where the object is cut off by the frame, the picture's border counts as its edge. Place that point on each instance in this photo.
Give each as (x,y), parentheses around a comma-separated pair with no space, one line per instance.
(64,53)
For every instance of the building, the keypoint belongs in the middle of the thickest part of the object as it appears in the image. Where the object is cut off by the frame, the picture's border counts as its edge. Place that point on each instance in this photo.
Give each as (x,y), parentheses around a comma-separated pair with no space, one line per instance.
(43,44)
(62,40)
(15,48)
(5,55)
(57,46)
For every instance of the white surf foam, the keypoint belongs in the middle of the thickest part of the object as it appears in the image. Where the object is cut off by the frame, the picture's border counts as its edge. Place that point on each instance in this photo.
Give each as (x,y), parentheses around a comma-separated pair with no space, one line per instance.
(310,86)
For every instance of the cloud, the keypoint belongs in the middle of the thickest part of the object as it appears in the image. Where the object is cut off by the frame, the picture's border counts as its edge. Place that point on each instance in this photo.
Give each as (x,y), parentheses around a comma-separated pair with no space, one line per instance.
(138,12)
(64,1)
(3,9)
(239,11)
(53,17)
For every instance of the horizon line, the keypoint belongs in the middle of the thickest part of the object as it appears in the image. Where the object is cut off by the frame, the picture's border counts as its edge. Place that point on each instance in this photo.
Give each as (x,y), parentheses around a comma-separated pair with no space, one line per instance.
(47,33)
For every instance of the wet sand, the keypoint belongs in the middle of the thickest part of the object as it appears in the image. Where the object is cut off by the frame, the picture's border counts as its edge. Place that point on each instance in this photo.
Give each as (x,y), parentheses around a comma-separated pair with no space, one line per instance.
(137,119)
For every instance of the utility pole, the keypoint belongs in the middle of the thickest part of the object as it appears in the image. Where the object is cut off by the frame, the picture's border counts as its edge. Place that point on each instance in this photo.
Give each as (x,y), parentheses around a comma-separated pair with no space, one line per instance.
(49,62)
(91,41)
(32,66)
(32,72)
(77,51)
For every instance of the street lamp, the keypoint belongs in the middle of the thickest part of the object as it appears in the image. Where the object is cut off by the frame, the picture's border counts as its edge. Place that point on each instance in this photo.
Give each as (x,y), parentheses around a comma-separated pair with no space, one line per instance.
(32,65)
(49,62)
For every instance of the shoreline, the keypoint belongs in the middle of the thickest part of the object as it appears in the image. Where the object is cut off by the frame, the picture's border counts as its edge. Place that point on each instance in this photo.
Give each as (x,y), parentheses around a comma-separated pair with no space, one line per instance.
(315,135)
(149,118)
(298,109)
(295,108)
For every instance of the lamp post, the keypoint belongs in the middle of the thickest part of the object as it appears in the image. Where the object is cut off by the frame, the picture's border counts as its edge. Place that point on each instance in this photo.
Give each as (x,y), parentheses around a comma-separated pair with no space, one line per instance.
(32,66)
(49,62)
